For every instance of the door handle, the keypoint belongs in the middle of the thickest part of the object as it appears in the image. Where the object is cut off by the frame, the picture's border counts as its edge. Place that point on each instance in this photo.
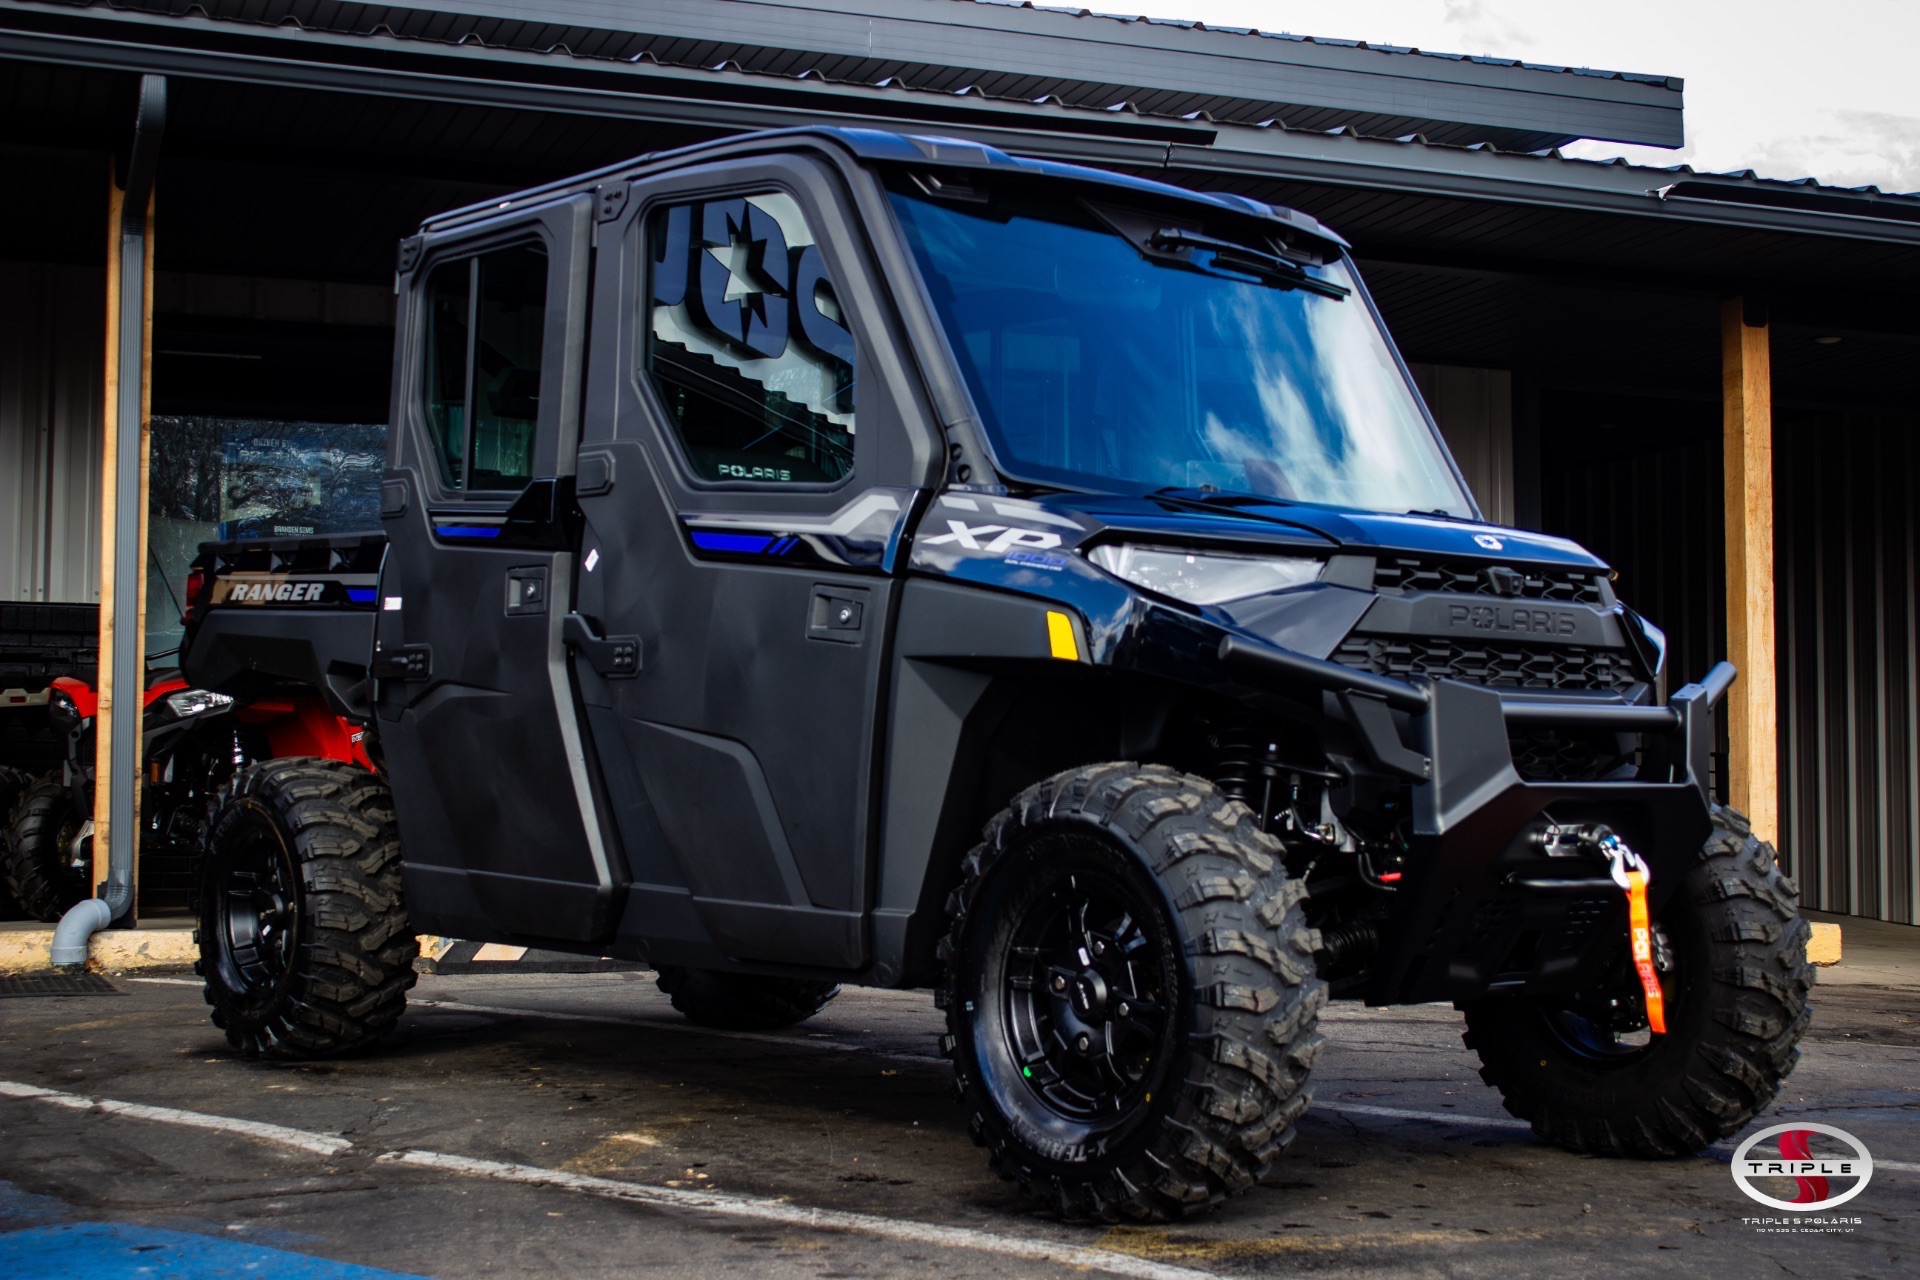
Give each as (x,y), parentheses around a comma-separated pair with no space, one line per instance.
(613,657)
(838,614)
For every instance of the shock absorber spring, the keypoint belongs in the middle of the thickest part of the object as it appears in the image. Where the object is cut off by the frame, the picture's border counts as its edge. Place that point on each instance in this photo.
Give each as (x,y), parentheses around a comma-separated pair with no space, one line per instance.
(1246,767)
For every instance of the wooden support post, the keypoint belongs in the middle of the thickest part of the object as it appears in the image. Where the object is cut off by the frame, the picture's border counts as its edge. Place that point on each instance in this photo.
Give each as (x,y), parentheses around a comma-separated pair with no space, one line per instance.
(120,631)
(1753,753)
(109,507)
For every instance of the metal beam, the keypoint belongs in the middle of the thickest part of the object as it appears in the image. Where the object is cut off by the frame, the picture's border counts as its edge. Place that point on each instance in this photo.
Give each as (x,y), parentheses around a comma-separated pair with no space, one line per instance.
(1382,164)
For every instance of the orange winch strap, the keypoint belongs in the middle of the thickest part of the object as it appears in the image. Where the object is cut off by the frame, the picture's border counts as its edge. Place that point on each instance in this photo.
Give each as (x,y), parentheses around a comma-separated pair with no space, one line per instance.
(1642,936)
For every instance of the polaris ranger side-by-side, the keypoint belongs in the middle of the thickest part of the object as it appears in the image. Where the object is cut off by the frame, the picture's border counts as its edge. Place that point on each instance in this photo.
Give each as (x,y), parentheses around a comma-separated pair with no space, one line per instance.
(837,557)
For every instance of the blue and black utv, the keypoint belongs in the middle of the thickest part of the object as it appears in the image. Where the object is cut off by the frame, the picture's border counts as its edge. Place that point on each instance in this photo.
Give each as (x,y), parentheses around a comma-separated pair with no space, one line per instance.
(837,557)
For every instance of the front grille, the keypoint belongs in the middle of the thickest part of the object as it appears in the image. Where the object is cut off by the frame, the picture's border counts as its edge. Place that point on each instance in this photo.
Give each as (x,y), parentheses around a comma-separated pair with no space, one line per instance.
(1554,754)
(1514,666)
(1399,574)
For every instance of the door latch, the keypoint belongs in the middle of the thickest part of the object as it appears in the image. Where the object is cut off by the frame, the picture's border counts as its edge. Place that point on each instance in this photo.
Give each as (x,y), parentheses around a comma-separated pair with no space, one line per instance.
(613,657)
(838,614)
(526,590)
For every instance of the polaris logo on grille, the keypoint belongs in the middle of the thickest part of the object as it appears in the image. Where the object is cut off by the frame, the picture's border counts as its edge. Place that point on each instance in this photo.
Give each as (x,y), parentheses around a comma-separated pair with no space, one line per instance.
(1511,619)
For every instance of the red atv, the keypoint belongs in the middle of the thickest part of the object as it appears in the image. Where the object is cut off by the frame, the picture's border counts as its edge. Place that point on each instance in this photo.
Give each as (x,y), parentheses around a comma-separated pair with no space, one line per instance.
(193,741)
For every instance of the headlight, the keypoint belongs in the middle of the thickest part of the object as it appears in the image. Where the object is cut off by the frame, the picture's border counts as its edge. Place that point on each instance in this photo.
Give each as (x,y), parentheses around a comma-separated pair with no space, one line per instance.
(194,702)
(1204,577)
(61,713)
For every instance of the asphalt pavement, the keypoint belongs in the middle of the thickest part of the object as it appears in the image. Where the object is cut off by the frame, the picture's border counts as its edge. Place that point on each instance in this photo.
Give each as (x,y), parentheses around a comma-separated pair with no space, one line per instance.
(572,1125)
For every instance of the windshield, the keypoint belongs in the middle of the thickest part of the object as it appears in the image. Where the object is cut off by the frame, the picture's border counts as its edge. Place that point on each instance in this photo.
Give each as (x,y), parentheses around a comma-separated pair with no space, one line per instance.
(1097,366)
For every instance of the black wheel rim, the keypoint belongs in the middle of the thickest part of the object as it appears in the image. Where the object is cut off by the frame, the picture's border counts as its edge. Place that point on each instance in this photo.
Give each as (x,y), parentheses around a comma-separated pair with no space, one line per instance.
(257,911)
(1086,993)
(1607,1023)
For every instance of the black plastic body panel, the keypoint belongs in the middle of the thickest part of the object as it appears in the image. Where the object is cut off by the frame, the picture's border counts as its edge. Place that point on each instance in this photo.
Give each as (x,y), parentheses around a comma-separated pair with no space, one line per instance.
(247,652)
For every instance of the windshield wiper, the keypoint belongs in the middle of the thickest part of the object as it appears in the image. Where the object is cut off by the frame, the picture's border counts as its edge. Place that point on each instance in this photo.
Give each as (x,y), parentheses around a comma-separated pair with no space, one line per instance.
(1240,257)
(1211,497)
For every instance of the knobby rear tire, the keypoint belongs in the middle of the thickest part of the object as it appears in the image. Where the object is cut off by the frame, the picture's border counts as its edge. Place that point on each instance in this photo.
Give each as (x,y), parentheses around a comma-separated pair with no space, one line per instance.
(322,833)
(44,821)
(1244,1002)
(1736,1010)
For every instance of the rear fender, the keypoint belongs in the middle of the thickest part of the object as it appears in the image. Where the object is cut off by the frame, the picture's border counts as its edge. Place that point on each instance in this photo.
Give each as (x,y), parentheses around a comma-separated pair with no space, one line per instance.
(302,725)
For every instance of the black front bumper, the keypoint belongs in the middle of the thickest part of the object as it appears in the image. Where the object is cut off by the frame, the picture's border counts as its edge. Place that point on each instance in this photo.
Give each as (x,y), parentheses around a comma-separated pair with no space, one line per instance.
(1481,906)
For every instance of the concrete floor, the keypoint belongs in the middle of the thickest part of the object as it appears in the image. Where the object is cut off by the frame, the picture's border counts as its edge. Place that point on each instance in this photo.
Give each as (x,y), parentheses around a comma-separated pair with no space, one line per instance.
(687,1153)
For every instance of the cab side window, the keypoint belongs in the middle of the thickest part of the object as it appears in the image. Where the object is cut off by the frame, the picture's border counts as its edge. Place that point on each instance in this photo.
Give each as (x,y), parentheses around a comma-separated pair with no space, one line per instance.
(485,336)
(746,343)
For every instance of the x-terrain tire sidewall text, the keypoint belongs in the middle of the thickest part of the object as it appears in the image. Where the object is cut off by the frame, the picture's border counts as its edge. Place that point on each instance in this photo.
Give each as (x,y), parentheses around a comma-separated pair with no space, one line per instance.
(1240,996)
(325,832)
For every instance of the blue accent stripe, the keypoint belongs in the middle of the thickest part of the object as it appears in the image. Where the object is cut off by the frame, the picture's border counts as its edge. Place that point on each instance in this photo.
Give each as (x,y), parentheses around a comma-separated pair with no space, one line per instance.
(120,1251)
(362,595)
(467,530)
(742,544)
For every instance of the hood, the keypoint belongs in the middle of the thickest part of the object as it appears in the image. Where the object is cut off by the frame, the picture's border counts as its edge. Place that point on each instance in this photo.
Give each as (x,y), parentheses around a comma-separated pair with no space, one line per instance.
(1191,516)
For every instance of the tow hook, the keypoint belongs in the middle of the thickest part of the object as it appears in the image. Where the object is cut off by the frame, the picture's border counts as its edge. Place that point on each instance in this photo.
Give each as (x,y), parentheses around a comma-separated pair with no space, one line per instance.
(1630,873)
(1628,870)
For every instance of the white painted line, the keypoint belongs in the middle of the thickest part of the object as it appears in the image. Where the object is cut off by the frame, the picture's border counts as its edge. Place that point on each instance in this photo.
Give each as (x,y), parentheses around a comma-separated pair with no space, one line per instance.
(1503,1122)
(614,1020)
(1437,1117)
(758,1208)
(790,1214)
(319,1144)
(171,982)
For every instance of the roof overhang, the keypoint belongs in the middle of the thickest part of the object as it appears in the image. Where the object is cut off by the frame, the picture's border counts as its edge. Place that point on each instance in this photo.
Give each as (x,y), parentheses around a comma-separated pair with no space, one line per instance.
(729,100)
(1015,52)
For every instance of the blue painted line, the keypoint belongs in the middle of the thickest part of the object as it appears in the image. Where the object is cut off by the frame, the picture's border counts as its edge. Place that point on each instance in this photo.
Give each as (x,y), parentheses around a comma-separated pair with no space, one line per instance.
(121,1251)
(747,544)
(467,530)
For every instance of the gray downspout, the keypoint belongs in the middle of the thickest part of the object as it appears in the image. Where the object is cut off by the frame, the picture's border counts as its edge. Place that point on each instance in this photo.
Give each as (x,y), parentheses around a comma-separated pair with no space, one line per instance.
(87,918)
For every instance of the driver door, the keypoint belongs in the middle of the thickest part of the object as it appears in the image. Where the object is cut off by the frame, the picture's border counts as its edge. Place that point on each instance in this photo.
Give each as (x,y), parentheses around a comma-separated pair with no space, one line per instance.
(752,468)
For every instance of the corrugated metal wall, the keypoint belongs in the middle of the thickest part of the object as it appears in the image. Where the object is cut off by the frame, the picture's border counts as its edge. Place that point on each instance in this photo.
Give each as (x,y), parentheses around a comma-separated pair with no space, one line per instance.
(1656,518)
(52,335)
(1849,619)
(1474,408)
(1639,483)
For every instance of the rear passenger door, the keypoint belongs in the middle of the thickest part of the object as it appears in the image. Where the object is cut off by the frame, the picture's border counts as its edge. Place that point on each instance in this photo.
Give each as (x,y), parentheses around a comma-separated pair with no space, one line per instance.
(478,719)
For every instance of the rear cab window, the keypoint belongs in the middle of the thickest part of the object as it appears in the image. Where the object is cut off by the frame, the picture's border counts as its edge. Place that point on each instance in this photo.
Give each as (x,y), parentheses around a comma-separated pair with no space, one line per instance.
(486,317)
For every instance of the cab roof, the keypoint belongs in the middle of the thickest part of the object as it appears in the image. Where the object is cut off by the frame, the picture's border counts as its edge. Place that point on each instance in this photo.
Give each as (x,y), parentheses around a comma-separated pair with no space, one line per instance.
(880,146)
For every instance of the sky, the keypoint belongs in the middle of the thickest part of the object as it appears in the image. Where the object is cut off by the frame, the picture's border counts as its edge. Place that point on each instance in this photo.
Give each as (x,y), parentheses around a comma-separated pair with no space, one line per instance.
(1827,89)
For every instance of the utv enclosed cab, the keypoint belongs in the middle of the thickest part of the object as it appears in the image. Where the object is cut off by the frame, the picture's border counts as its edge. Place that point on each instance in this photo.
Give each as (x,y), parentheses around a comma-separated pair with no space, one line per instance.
(832,556)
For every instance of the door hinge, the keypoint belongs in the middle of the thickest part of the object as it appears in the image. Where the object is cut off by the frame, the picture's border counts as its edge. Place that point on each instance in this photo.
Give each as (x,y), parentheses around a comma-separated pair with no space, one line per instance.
(613,657)
(409,662)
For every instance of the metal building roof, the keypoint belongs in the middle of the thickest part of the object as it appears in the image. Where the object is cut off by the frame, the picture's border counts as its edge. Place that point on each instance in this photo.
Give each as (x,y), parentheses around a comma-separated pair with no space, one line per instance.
(586,59)
(1015,52)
